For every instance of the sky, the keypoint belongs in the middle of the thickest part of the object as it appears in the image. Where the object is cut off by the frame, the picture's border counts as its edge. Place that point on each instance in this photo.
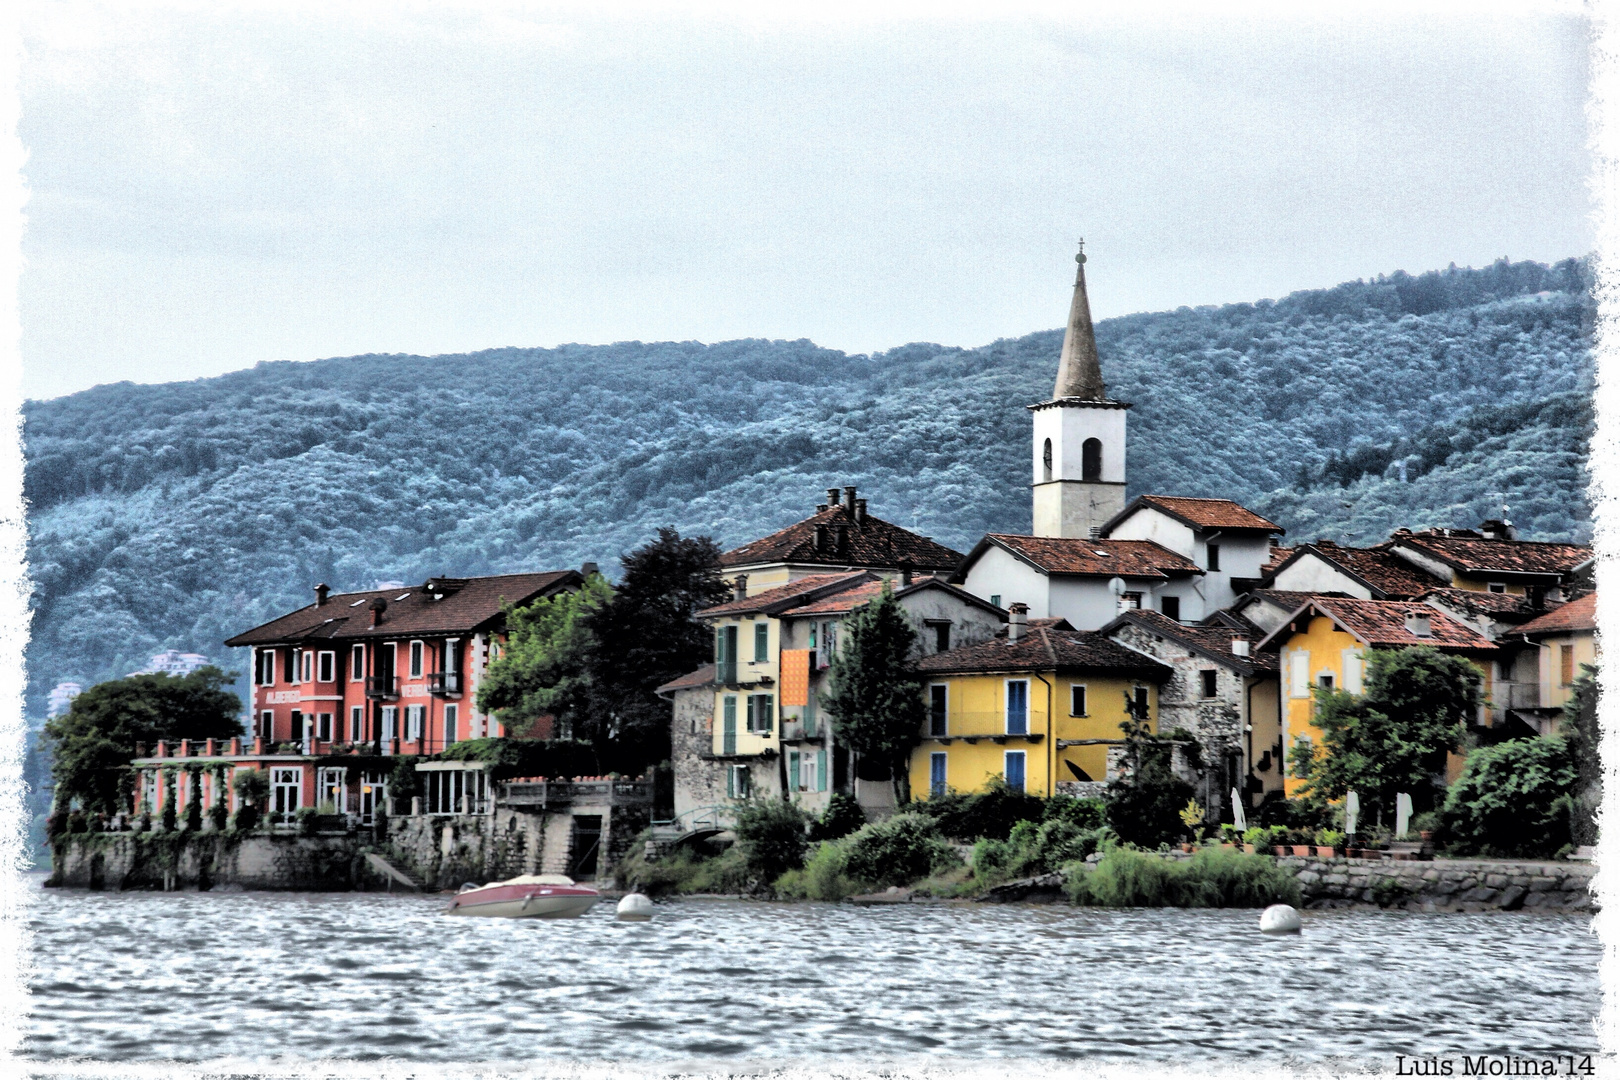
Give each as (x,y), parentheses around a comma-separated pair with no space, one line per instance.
(213,187)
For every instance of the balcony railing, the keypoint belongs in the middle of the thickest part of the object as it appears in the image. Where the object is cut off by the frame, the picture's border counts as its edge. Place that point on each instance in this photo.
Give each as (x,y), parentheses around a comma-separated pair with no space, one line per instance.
(543,793)
(725,673)
(444,683)
(382,687)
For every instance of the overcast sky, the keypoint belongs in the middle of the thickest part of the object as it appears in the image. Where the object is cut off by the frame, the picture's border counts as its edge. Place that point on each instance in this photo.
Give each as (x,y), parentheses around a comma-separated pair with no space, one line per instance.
(211,190)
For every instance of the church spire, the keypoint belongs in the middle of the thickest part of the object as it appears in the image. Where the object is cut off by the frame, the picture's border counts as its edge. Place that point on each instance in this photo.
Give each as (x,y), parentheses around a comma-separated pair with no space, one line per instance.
(1079,373)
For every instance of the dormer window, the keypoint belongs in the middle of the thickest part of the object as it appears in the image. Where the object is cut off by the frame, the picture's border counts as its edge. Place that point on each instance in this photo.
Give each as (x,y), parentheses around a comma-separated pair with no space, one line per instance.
(1496,587)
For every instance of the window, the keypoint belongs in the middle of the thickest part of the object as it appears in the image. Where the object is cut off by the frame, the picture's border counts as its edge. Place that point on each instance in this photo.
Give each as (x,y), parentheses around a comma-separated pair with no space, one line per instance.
(286,789)
(1298,675)
(1014,770)
(1566,665)
(290,668)
(821,770)
(737,782)
(1091,464)
(264,668)
(1077,701)
(1325,681)
(1046,461)
(357,663)
(761,713)
(452,656)
(1130,601)
(357,715)
(936,774)
(297,726)
(1171,606)
(323,725)
(762,642)
(1017,707)
(267,724)
(390,721)
(1212,553)
(728,708)
(795,781)
(936,711)
(1208,677)
(725,654)
(1496,587)
(1142,702)
(450,716)
(326,667)
(942,634)
(995,599)
(413,722)
(329,788)
(307,674)
(416,659)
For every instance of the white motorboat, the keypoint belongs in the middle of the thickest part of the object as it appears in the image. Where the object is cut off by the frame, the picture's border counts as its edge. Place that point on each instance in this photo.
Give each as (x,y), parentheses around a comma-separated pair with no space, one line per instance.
(529,896)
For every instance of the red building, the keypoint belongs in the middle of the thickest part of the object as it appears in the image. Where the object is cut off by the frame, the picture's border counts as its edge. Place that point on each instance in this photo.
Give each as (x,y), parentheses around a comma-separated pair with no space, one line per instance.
(388,671)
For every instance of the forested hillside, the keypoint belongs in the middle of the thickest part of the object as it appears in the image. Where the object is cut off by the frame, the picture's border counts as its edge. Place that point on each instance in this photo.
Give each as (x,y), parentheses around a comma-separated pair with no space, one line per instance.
(176,515)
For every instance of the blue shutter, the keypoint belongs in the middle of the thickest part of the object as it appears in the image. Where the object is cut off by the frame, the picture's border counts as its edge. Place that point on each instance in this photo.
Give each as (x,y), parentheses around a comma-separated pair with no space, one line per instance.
(821,770)
(793,771)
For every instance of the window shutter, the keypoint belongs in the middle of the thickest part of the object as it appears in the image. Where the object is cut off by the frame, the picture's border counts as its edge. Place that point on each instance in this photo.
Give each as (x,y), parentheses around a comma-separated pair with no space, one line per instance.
(731,781)
(767,713)
(821,770)
(793,771)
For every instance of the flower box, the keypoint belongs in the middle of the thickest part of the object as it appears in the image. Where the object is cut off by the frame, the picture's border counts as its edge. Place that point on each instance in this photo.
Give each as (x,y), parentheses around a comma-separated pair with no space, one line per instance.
(1302,850)
(1326,852)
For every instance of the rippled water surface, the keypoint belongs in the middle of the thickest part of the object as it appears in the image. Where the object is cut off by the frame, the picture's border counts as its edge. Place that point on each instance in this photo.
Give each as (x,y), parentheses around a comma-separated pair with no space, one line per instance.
(199,976)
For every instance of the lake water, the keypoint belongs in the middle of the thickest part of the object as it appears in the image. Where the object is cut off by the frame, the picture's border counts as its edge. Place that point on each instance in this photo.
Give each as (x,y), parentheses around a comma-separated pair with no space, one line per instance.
(199,976)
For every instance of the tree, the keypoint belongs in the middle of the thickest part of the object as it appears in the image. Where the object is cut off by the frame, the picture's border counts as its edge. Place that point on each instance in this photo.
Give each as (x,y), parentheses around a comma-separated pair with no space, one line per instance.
(1144,802)
(773,836)
(95,740)
(1396,735)
(543,669)
(1579,726)
(646,634)
(1512,800)
(874,697)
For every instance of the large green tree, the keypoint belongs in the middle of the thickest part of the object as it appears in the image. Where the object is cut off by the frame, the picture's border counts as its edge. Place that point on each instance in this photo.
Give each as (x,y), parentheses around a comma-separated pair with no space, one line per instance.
(93,742)
(1579,727)
(1395,736)
(646,634)
(543,668)
(874,696)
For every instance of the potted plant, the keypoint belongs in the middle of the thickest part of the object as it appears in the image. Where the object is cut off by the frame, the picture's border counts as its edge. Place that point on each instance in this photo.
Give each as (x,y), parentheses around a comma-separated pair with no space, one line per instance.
(1424,825)
(1229,836)
(1299,842)
(1253,838)
(1192,816)
(1328,842)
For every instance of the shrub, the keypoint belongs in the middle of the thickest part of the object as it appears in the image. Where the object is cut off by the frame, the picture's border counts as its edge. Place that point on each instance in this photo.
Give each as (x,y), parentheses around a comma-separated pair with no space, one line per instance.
(1513,800)
(897,851)
(823,876)
(1213,877)
(217,815)
(1084,813)
(771,834)
(842,817)
(245,819)
(1145,807)
(1036,849)
(169,817)
(305,816)
(252,785)
(991,813)
(1329,838)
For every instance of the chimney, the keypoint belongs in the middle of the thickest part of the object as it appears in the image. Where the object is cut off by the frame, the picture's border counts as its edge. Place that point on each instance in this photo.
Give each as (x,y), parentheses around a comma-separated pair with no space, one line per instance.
(821,508)
(1417,623)
(1240,646)
(320,594)
(378,605)
(860,509)
(739,587)
(1017,621)
(587,569)
(849,499)
(1498,529)
(821,538)
(905,571)
(832,497)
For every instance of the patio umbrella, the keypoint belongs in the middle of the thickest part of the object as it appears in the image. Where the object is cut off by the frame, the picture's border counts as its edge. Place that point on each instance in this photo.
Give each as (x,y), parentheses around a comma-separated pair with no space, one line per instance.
(1238,820)
(1403,813)
(1352,811)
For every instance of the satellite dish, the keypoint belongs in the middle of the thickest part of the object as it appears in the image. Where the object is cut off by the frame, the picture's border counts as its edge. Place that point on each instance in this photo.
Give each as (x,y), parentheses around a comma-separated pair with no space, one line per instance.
(1116,586)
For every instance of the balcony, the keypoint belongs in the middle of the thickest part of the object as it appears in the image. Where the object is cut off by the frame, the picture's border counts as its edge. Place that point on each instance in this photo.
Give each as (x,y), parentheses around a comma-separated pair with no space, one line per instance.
(382,687)
(444,683)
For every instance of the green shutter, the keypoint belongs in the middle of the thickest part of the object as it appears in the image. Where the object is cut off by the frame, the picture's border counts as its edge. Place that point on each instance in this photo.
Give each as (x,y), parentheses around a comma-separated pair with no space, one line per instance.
(731,782)
(767,713)
(762,642)
(793,771)
(821,770)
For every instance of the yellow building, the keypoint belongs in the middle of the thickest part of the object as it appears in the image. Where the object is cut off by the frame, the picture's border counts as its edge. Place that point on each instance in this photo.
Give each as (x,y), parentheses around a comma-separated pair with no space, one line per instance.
(1039,708)
(1566,639)
(1324,643)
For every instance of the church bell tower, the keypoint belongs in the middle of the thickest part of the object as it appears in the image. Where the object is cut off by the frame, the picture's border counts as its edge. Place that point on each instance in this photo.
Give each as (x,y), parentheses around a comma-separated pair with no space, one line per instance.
(1079,446)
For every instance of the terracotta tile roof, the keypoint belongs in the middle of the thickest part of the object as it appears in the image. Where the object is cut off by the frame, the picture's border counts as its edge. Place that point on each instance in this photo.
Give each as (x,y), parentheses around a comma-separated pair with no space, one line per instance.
(1475,555)
(871,542)
(1504,607)
(1286,598)
(1202,513)
(848,599)
(1045,648)
(1094,558)
(1382,623)
(695,680)
(1565,618)
(1278,556)
(790,595)
(468,604)
(1215,642)
(1378,567)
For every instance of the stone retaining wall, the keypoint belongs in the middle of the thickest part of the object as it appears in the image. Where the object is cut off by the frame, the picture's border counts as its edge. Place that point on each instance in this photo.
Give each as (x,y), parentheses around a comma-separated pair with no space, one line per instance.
(1444,885)
(206,860)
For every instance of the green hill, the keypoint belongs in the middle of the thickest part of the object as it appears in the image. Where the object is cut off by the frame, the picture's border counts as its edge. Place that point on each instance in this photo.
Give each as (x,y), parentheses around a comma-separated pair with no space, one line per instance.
(175,515)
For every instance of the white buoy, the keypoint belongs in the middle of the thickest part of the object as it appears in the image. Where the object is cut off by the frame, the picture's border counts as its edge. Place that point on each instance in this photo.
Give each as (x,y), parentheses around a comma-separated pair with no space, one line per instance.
(635,907)
(1279,919)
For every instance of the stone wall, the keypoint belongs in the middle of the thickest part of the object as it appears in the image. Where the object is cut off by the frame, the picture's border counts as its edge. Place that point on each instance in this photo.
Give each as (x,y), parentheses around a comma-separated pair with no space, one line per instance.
(698,783)
(207,860)
(1444,885)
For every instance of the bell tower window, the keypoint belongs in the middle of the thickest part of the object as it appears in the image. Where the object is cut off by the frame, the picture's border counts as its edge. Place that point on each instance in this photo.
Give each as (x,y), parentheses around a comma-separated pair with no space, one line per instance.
(1046,462)
(1091,459)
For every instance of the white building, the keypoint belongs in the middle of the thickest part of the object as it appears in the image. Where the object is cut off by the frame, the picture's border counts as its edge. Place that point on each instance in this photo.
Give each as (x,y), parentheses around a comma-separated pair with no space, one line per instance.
(1229,542)
(173,662)
(60,699)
